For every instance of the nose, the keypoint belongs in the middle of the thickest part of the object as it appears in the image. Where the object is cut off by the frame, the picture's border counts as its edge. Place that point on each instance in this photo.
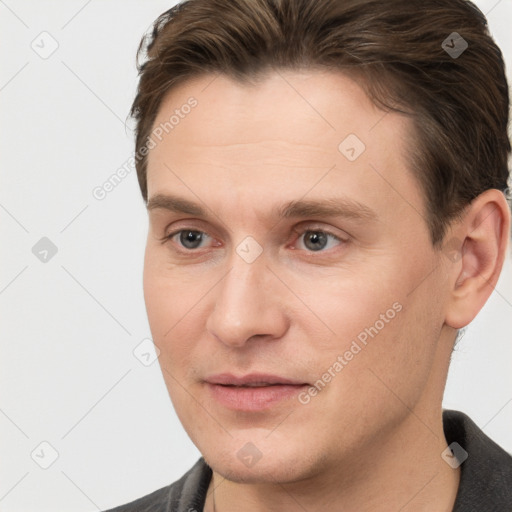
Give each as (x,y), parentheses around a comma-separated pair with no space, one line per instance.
(247,304)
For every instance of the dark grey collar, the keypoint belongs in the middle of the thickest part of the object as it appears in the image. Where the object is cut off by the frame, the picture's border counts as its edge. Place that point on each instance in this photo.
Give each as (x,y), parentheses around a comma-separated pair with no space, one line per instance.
(486,474)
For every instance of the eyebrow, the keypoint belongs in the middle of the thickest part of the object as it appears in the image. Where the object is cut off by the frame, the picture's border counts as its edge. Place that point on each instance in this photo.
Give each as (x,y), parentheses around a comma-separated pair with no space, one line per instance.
(328,207)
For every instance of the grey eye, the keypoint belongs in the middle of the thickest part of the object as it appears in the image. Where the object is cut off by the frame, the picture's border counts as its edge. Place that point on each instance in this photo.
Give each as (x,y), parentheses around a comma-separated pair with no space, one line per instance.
(191,239)
(315,240)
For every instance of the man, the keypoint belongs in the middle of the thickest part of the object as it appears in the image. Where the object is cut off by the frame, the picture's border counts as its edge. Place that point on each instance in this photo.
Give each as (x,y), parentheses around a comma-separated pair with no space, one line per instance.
(326,186)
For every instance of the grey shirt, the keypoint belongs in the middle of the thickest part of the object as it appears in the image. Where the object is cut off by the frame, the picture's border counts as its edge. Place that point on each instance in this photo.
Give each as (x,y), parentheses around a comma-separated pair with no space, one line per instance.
(485,482)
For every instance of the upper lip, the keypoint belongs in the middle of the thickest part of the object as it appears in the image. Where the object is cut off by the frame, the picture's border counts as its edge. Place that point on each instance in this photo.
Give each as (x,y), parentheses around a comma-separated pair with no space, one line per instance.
(227,379)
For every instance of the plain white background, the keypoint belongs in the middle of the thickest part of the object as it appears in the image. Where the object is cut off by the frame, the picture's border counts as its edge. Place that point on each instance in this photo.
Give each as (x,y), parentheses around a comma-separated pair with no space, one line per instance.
(69,326)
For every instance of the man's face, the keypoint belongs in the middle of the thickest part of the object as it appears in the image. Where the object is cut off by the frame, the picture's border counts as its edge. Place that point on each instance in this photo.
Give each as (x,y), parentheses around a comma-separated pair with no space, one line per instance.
(341,311)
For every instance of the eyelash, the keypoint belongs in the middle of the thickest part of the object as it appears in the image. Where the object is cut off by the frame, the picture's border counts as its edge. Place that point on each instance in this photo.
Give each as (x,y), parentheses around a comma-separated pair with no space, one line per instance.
(299,232)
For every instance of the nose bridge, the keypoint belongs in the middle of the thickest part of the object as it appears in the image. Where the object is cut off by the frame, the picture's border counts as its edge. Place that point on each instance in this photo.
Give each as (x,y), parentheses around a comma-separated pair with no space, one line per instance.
(244,306)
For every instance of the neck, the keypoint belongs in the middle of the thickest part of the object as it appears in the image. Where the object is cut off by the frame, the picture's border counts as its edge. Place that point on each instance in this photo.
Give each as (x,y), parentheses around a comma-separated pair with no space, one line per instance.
(403,472)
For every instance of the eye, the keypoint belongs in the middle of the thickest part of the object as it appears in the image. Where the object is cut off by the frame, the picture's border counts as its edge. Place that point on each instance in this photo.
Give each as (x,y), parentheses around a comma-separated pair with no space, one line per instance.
(189,239)
(311,240)
(318,240)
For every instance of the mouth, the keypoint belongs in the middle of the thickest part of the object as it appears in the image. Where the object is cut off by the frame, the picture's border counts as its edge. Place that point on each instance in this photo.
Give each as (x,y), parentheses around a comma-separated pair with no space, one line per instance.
(254,392)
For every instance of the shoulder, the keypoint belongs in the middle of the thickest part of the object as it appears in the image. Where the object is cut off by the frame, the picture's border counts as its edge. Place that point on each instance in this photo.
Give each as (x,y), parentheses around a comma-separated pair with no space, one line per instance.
(188,492)
(486,471)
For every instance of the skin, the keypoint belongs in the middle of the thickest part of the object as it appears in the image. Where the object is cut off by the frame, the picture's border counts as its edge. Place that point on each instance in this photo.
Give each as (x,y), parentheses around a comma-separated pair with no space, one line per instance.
(372,438)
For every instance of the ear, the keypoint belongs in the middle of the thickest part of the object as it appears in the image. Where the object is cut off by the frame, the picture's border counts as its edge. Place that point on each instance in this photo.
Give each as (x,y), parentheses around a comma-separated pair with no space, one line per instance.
(477,250)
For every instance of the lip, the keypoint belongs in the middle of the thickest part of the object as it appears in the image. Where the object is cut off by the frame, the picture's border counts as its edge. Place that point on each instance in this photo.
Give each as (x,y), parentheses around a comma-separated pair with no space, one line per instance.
(253,392)
(229,379)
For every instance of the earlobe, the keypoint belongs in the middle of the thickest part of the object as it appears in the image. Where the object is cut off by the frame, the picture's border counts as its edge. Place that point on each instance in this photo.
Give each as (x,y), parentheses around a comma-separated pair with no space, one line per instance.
(483,239)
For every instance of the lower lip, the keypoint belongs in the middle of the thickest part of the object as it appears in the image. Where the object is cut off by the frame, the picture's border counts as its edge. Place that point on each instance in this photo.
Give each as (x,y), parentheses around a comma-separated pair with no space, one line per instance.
(253,398)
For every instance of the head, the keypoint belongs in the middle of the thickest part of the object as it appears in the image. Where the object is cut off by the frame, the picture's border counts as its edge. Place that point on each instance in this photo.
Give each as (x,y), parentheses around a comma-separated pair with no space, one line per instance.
(325,183)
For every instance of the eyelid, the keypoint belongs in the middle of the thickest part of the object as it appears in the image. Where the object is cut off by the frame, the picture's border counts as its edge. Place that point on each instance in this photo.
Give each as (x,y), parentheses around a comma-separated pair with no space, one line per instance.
(301,229)
(185,224)
(173,233)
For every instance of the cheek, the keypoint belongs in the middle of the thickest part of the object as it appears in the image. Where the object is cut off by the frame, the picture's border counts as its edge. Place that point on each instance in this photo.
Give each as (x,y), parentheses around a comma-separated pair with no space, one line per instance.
(174,310)
(357,305)
(376,323)
(172,330)
(168,294)
(375,382)
(396,361)
(158,302)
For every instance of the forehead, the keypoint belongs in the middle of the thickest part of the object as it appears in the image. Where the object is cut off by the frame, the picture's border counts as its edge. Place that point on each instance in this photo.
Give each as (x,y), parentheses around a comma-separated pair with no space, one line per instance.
(291,133)
(283,106)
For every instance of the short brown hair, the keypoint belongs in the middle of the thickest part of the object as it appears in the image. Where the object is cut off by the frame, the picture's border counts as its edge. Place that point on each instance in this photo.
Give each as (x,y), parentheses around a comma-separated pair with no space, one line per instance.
(459,104)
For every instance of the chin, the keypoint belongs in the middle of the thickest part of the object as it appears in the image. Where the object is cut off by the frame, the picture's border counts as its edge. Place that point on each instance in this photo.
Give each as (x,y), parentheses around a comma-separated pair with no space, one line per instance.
(260,462)
(260,473)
